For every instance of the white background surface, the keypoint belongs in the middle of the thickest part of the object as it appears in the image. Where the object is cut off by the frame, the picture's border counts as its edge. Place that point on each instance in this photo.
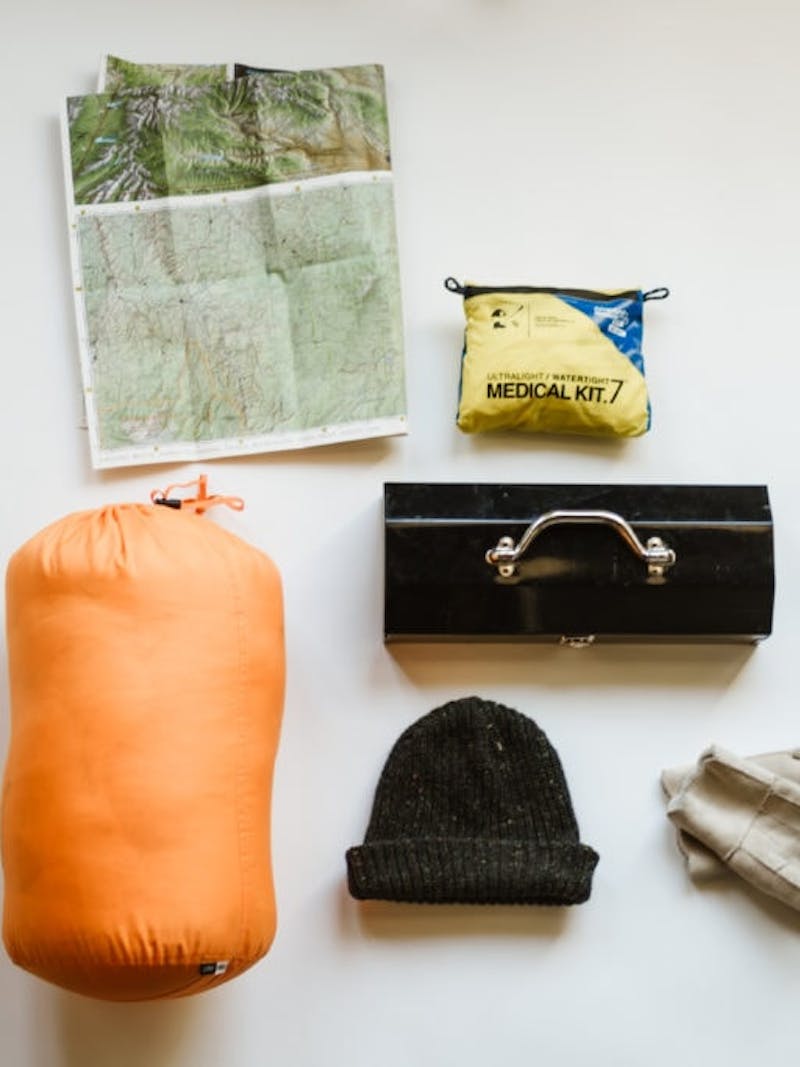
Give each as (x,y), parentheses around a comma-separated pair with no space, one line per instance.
(593,144)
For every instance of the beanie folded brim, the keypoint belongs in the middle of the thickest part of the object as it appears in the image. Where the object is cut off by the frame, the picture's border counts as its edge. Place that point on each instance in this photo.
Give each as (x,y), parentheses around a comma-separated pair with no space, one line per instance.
(471,871)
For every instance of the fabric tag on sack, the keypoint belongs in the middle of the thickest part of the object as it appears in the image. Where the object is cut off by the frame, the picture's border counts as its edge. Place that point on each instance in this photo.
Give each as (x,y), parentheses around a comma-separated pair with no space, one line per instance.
(548,360)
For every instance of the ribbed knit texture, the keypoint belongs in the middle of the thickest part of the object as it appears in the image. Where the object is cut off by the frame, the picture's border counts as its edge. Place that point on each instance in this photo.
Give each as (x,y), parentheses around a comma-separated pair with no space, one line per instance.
(472,807)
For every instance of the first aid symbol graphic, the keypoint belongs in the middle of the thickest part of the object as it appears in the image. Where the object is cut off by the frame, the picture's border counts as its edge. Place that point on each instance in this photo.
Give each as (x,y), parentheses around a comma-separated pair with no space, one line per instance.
(512,316)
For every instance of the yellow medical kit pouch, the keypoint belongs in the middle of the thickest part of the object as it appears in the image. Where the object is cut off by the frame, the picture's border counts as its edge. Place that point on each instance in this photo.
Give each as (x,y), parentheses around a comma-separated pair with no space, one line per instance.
(547,360)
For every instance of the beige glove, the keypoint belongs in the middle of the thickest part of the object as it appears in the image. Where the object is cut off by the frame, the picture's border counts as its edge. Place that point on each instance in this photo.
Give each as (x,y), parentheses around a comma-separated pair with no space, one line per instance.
(742,816)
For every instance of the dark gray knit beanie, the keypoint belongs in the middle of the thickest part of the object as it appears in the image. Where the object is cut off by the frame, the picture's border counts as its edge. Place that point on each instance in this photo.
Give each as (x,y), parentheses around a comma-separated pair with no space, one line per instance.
(472,808)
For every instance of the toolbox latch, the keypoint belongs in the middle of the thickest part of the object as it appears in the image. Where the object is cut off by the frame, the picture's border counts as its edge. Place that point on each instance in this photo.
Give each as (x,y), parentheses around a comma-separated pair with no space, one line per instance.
(570,641)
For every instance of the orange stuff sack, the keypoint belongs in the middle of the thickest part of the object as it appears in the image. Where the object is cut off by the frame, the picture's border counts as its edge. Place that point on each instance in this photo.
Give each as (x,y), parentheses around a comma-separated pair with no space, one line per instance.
(146,665)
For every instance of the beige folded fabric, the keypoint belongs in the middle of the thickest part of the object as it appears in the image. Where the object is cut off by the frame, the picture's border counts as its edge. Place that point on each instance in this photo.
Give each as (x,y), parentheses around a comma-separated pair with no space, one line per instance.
(740,815)
(701,863)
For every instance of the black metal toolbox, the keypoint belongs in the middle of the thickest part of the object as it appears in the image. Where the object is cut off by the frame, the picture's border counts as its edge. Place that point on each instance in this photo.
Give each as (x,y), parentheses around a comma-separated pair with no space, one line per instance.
(577,563)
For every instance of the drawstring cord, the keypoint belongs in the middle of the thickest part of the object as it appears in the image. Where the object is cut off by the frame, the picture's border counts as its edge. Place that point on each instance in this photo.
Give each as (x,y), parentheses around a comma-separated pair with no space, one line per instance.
(198,504)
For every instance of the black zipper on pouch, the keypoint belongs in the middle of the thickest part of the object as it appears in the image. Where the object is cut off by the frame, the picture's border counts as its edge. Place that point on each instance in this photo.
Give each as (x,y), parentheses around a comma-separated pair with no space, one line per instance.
(453,286)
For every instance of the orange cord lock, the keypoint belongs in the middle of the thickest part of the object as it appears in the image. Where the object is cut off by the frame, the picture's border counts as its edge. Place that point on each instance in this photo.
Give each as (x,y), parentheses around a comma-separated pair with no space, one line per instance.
(198,504)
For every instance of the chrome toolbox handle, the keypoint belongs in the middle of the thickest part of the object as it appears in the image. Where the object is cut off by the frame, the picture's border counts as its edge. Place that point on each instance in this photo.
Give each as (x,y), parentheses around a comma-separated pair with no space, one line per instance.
(659,557)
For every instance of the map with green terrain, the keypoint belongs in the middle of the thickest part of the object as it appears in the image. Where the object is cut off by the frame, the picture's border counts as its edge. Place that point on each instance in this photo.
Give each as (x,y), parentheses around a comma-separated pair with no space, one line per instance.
(150,142)
(236,278)
(242,316)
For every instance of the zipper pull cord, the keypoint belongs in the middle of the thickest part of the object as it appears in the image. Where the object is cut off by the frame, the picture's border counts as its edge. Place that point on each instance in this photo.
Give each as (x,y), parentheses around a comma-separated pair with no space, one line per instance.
(198,504)
(656,294)
(452,286)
